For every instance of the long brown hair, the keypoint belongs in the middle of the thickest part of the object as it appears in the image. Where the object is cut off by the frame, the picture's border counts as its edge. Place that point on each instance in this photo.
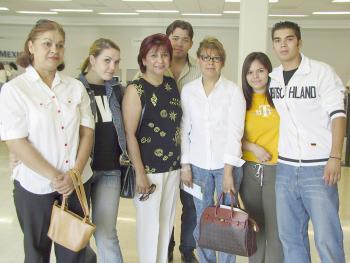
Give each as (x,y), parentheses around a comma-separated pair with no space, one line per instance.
(247,89)
(41,26)
(95,50)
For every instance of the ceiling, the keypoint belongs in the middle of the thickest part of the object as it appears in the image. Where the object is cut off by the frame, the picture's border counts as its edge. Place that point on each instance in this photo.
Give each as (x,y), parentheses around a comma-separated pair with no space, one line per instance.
(283,7)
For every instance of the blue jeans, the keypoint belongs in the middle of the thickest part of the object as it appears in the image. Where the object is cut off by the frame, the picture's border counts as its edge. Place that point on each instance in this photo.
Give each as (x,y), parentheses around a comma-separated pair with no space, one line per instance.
(209,181)
(188,224)
(105,194)
(301,194)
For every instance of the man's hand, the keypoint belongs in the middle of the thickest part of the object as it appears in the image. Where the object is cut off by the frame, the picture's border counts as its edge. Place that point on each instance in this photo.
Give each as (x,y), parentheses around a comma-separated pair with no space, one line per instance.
(186,175)
(332,171)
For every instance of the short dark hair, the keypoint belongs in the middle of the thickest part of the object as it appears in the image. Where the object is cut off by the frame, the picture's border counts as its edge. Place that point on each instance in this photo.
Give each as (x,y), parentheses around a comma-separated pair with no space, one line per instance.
(156,40)
(180,24)
(2,65)
(247,89)
(287,24)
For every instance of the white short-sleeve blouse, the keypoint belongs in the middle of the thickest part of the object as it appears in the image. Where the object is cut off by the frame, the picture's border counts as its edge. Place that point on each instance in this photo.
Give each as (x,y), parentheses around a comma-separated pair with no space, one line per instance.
(49,118)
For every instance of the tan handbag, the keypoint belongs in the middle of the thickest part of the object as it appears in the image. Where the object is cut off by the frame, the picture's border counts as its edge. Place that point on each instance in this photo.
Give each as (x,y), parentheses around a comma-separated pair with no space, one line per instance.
(67,228)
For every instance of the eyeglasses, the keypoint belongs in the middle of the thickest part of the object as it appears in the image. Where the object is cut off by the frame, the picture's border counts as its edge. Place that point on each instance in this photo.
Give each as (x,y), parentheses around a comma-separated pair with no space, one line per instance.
(216,59)
(151,190)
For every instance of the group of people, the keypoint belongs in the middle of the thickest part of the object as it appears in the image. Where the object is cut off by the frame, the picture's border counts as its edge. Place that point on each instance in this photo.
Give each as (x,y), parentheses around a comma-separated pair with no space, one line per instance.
(8,73)
(277,142)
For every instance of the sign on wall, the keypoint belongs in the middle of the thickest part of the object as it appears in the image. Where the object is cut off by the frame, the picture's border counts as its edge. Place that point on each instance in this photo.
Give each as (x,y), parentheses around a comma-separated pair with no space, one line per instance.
(7,56)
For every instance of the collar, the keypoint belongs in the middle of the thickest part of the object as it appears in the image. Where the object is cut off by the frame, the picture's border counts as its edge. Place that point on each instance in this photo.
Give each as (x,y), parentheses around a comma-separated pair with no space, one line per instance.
(83,79)
(191,61)
(218,82)
(303,69)
(34,76)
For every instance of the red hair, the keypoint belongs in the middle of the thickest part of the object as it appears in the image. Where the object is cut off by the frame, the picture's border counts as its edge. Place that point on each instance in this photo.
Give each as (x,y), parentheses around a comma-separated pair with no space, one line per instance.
(156,40)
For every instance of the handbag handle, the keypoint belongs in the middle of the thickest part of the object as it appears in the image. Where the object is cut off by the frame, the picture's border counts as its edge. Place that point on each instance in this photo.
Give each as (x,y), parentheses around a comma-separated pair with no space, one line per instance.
(222,196)
(124,159)
(80,192)
(250,220)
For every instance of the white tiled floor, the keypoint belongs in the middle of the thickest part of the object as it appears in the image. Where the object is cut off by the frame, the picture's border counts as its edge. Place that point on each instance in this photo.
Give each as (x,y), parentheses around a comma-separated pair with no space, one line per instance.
(11,250)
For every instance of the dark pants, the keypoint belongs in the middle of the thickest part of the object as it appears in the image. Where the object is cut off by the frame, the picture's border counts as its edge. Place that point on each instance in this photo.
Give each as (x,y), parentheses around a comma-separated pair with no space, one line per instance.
(259,199)
(188,224)
(34,213)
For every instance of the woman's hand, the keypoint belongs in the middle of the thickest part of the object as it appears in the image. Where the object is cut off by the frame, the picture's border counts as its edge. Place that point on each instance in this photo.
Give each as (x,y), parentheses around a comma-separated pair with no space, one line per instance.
(14,161)
(142,183)
(228,183)
(63,184)
(186,175)
(261,153)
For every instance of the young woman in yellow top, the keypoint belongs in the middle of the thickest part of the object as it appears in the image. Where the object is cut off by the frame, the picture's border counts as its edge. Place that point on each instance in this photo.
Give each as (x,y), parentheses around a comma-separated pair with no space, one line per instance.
(260,153)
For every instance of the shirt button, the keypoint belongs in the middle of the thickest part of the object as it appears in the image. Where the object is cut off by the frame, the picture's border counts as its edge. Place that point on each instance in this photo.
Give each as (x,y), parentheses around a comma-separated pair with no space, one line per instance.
(66,161)
(62,127)
(59,111)
(53,97)
(66,144)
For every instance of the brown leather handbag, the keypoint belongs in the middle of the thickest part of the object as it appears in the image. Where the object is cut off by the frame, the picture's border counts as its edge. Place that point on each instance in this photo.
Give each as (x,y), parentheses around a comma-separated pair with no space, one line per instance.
(67,228)
(228,229)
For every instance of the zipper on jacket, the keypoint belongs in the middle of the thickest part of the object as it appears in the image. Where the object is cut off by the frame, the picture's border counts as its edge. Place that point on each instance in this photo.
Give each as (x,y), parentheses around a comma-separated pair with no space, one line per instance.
(291,117)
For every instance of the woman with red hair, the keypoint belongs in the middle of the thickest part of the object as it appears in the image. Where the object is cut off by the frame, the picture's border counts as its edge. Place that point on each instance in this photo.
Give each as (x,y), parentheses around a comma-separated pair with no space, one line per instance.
(152,114)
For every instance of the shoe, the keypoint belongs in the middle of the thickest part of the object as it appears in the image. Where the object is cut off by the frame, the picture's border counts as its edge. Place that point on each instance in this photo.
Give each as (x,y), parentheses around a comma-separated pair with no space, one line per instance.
(170,256)
(189,257)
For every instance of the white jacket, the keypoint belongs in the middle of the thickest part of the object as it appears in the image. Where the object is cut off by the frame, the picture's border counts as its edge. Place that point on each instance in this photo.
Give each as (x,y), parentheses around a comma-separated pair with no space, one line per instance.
(313,97)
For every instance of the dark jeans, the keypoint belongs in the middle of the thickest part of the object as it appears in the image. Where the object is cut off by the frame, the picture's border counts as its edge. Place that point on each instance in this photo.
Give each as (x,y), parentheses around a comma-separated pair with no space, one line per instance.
(258,195)
(188,224)
(34,213)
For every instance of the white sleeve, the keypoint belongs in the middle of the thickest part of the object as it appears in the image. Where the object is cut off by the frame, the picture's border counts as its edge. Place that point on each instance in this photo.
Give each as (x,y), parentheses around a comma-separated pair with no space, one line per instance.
(185,126)
(86,117)
(235,128)
(331,92)
(13,117)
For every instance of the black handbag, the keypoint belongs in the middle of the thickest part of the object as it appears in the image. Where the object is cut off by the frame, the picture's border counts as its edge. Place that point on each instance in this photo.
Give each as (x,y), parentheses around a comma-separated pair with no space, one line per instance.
(128,182)
(128,178)
(228,229)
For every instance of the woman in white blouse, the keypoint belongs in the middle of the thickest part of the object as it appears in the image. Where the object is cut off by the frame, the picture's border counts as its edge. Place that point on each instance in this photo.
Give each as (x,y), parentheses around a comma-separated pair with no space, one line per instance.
(212,128)
(47,123)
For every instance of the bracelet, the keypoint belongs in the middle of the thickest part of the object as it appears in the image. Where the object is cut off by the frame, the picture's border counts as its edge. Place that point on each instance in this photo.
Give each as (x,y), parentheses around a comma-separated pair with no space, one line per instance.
(334,157)
(75,171)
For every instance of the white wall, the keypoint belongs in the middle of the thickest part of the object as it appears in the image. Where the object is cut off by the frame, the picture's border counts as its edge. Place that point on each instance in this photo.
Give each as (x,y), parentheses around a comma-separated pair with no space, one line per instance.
(331,46)
(328,45)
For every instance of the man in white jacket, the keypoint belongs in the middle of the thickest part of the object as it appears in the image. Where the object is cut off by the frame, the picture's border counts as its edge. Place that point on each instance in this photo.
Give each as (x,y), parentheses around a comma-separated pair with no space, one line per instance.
(308,95)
